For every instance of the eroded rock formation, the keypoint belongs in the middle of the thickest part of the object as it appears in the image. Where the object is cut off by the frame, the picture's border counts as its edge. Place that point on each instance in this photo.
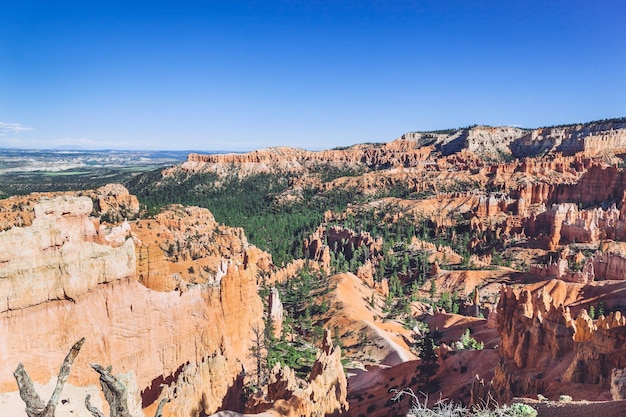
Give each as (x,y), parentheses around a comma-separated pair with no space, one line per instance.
(324,393)
(173,298)
(60,256)
(63,277)
(592,138)
(538,331)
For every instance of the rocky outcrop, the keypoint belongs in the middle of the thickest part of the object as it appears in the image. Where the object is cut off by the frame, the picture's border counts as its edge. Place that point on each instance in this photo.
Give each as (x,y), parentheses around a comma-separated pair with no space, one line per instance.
(492,204)
(538,331)
(560,269)
(485,140)
(565,223)
(410,150)
(602,266)
(276,312)
(609,266)
(134,328)
(506,385)
(111,202)
(185,246)
(413,148)
(596,185)
(202,387)
(65,277)
(532,327)
(618,384)
(339,240)
(291,160)
(366,273)
(599,348)
(60,256)
(323,394)
(591,138)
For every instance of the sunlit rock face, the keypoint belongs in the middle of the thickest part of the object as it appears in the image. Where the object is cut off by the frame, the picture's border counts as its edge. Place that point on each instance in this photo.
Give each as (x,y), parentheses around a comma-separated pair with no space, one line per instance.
(66,276)
(539,334)
(60,256)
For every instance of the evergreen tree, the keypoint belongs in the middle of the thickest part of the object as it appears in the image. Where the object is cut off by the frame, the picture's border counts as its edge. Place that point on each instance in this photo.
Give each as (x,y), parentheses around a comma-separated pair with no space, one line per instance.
(433,290)
(428,357)
(395,286)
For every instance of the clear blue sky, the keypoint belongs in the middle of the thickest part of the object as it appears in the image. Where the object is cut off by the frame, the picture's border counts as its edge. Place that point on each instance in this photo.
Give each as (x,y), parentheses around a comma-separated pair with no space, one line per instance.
(241,75)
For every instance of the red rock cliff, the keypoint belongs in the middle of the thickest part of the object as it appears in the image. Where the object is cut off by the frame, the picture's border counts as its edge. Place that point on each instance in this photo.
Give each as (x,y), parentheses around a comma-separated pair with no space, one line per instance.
(543,346)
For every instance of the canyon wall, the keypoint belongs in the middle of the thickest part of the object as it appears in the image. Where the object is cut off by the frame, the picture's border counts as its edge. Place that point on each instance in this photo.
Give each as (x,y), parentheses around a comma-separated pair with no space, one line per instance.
(284,159)
(591,138)
(544,346)
(61,255)
(66,276)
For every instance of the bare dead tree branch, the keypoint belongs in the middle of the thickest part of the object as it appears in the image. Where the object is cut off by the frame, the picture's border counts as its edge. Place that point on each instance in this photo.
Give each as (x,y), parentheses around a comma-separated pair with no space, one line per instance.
(159,411)
(64,372)
(114,390)
(34,405)
(116,394)
(93,410)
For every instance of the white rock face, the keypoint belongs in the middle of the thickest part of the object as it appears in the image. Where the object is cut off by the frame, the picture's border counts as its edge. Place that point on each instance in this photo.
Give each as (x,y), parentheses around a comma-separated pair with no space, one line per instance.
(593,139)
(58,256)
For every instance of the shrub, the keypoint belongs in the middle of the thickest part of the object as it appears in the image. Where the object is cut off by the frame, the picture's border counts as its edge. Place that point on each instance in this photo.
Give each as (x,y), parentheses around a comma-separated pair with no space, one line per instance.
(468,342)
(420,409)
(451,409)
(521,410)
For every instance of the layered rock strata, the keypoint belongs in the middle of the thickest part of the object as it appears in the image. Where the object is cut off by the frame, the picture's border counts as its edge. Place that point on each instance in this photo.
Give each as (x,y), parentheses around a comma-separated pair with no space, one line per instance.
(65,277)
(591,138)
(412,149)
(60,256)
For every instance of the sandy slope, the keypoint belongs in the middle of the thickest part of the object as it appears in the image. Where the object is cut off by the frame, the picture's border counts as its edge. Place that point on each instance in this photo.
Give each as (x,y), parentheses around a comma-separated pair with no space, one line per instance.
(365,335)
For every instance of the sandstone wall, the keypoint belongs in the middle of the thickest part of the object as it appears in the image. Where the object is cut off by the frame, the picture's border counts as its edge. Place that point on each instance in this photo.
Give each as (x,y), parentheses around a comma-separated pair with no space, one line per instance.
(59,256)
(609,266)
(538,333)
(565,223)
(134,329)
(65,277)
(596,185)
(591,138)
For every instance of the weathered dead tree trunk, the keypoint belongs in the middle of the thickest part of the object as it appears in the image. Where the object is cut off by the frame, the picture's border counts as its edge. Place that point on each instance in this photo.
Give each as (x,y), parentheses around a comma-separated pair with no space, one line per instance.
(34,405)
(116,394)
(93,410)
(159,411)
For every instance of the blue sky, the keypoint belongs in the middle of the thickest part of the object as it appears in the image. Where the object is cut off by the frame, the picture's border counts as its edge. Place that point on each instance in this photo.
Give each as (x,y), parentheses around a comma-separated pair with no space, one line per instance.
(242,75)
